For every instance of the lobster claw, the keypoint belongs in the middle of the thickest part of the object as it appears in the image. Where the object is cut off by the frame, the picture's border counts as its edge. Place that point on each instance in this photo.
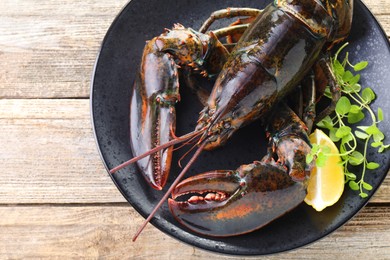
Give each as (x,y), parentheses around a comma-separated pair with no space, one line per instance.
(153,116)
(228,203)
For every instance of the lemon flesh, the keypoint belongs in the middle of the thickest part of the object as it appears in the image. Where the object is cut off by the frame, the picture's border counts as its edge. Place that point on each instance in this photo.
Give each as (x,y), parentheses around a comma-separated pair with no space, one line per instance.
(326,184)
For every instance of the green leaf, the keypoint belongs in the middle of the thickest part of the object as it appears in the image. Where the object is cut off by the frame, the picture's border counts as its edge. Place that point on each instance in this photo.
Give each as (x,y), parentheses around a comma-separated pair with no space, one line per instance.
(350,175)
(364,128)
(371,130)
(356,158)
(363,195)
(356,87)
(367,186)
(376,144)
(352,88)
(326,123)
(343,131)
(383,147)
(338,68)
(346,139)
(332,135)
(353,185)
(321,159)
(315,148)
(378,137)
(372,165)
(355,79)
(361,135)
(309,158)
(353,118)
(368,95)
(343,106)
(355,109)
(357,154)
(327,92)
(347,76)
(380,114)
(361,65)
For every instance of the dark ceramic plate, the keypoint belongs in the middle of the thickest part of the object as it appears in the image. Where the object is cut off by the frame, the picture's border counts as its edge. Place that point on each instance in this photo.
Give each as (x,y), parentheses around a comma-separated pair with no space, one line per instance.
(114,73)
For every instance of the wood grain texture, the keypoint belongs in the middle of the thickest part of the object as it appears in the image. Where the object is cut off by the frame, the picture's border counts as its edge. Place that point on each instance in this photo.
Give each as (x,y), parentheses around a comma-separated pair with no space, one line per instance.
(56,199)
(105,232)
(47,49)
(49,155)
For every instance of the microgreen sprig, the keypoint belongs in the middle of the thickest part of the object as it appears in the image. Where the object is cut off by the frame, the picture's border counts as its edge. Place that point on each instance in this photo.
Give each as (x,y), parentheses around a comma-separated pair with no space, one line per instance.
(350,108)
(320,153)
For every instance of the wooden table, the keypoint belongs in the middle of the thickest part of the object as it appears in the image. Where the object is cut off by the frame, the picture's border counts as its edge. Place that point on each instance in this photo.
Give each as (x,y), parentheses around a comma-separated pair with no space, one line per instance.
(56,199)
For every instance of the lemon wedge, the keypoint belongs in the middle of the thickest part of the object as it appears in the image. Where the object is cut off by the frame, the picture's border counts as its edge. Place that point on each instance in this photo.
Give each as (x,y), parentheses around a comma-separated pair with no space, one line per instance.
(326,184)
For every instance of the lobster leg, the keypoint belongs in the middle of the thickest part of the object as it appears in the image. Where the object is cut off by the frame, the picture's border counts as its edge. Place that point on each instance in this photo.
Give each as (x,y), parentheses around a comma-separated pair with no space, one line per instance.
(312,88)
(303,101)
(235,30)
(228,13)
(231,30)
(308,100)
(310,110)
(289,142)
(324,76)
(233,38)
(232,33)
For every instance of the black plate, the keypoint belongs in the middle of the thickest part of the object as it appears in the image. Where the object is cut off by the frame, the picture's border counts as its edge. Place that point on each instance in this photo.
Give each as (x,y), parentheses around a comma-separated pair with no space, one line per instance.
(114,73)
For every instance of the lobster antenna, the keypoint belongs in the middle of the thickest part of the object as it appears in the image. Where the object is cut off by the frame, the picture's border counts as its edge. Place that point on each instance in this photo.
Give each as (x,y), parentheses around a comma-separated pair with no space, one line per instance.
(184,155)
(156,149)
(191,140)
(166,195)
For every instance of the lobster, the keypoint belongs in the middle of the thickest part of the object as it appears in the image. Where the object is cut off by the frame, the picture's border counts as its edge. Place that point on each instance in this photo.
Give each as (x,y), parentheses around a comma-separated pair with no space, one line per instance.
(156,90)
(276,49)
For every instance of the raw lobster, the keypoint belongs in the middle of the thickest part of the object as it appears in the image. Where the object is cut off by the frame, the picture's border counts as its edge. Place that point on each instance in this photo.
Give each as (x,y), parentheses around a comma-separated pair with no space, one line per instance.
(286,41)
(156,90)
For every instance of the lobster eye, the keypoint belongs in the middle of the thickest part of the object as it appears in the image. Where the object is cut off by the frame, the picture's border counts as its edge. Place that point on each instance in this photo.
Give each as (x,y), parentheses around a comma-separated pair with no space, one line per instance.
(211,111)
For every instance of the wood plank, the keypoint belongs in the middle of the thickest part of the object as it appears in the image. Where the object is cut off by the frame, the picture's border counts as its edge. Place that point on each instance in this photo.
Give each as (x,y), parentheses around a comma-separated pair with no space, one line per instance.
(49,155)
(105,232)
(48,49)
(378,7)
(381,11)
